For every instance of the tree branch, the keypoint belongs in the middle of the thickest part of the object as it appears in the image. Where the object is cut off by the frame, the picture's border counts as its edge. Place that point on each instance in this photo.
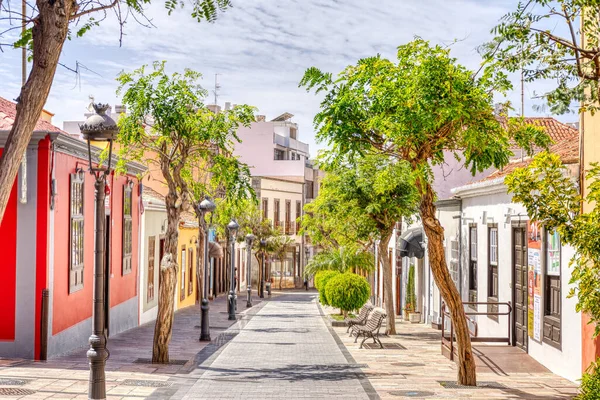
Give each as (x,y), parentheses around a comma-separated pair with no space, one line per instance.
(94,9)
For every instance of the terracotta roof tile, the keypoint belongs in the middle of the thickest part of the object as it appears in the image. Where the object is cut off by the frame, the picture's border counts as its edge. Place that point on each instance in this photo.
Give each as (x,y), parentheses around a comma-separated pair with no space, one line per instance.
(8,112)
(152,195)
(567,149)
(554,128)
(188,219)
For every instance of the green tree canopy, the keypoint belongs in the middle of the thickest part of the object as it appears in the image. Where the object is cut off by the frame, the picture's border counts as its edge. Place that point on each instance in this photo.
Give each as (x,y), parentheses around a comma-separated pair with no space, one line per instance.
(169,129)
(415,109)
(552,40)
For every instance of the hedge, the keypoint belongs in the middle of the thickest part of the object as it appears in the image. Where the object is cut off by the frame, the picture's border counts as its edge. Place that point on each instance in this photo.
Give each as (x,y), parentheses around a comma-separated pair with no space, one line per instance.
(321,280)
(347,291)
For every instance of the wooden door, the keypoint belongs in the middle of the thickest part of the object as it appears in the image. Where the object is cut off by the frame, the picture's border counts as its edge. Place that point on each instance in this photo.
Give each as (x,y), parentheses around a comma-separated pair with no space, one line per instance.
(520,337)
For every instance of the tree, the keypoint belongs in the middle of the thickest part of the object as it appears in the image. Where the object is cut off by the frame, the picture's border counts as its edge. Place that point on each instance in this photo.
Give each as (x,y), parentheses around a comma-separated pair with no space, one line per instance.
(168,126)
(414,110)
(342,259)
(51,23)
(347,292)
(551,197)
(529,40)
(371,193)
(321,280)
(278,246)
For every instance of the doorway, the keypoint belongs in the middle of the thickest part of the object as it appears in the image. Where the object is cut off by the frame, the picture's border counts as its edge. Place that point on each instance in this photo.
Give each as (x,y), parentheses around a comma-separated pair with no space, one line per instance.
(520,311)
(107,273)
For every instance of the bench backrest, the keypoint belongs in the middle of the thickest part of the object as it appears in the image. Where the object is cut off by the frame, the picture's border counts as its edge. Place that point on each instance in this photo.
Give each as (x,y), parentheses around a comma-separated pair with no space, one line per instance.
(364,312)
(375,319)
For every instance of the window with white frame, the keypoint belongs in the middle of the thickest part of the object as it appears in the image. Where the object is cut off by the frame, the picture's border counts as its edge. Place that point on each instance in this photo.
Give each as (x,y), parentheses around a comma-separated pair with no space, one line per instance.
(76,241)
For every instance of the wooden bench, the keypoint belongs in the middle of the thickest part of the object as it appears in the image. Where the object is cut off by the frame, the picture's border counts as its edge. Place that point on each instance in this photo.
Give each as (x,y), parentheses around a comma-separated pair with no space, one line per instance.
(361,319)
(371,328)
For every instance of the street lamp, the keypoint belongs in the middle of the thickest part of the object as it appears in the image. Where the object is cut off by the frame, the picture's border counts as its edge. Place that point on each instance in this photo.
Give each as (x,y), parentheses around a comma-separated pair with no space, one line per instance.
(249,239)
(232,228)
(99,127)
(263,246)
(205,206)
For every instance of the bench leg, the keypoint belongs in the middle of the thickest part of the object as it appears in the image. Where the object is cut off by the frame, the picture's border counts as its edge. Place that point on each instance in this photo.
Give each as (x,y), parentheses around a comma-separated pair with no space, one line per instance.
(376,340)
(363,341)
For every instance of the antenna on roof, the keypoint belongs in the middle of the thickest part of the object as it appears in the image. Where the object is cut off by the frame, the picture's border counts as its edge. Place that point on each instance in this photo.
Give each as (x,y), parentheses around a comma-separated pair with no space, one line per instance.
(217,87)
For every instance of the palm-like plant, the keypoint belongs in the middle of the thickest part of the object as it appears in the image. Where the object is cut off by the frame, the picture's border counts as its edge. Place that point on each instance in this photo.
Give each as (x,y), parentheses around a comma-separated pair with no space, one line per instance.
(341,259)
(278,246)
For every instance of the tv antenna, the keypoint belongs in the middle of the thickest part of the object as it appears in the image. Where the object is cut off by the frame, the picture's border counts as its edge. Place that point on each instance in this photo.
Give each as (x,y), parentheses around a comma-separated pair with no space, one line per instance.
(217,87)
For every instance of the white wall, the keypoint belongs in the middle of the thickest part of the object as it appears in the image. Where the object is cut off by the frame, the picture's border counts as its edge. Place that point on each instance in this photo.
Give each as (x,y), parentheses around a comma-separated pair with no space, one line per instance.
(565,362)
(151,226)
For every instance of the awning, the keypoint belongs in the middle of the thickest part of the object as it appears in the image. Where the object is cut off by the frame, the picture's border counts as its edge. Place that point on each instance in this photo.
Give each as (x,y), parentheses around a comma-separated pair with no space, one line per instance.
(215,250)
(411,243)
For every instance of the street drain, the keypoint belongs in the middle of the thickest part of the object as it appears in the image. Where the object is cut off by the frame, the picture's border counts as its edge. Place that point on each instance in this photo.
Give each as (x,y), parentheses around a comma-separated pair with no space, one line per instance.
(145,383)
(407,364)
(480,385)
(389,346)
(411,393)
(149,361)
(15,392)
(13,382)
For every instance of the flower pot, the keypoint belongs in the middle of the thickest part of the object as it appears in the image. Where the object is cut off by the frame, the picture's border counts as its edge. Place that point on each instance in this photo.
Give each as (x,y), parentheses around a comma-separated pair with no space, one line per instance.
(414,317)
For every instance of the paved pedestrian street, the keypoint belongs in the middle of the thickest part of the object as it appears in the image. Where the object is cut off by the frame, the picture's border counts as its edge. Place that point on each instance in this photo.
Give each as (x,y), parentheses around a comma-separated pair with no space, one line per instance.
(282,348)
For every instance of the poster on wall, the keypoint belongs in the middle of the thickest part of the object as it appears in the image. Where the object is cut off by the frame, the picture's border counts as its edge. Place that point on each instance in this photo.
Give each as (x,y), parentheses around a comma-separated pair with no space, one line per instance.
(553,261)
(534,280)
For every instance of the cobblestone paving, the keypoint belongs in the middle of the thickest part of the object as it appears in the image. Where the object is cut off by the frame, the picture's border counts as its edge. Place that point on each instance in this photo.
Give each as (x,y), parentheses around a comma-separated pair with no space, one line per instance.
(285,351)
(415,371)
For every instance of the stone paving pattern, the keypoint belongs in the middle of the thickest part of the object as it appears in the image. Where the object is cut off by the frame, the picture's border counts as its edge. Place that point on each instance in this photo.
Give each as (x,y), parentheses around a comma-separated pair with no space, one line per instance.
(283,348)
(415,372)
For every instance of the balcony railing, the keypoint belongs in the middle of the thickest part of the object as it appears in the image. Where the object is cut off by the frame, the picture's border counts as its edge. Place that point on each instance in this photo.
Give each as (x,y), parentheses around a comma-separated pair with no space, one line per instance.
(290,227)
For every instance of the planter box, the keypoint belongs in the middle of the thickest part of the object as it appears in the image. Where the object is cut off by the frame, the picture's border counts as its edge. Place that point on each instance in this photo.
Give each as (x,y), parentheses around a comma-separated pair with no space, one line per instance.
(414,318)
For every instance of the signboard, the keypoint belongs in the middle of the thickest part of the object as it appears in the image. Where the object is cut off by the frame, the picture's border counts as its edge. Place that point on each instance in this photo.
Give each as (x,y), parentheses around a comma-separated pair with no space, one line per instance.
(534,280)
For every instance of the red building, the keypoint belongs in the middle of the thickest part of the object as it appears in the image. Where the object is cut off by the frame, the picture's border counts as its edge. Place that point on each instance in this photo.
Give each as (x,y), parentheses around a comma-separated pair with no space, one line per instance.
(47,245)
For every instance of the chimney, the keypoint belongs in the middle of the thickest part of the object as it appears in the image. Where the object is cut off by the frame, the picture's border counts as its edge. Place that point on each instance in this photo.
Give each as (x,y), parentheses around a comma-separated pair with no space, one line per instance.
(261,118)
(215,108)
(120,109)
(227,106)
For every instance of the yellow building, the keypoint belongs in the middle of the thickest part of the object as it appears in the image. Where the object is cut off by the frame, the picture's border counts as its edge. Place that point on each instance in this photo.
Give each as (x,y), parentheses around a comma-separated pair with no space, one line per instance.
(186,293)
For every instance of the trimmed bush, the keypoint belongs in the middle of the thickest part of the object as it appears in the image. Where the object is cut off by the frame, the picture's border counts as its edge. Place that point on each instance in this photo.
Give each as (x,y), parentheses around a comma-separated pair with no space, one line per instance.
(347,291)
(590,383)
(321,279)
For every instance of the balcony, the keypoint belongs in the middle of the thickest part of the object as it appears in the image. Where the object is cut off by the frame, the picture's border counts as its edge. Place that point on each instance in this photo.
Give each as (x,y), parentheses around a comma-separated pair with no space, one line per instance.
(290,227)
(290,143)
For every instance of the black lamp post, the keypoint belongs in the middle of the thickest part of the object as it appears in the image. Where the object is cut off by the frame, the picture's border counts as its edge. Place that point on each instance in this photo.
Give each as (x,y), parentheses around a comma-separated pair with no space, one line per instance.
(205,206)
(99,128)
(232,228)
(263,246)
(249,241)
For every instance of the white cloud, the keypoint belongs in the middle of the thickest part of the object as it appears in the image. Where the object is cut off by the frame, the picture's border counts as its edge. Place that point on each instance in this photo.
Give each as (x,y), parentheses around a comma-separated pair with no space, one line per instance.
(261,48)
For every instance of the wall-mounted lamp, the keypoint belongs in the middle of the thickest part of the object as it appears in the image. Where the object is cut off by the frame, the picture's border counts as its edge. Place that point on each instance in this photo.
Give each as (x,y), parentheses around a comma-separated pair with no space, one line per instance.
(194,239)
(163,226)
(129,183)
(80,173)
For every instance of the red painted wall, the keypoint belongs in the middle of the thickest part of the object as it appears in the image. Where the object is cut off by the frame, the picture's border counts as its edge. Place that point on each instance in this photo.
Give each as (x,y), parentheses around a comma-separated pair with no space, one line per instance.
(122,287)
(42,215)
(69,309)
(590,346)
(8,267)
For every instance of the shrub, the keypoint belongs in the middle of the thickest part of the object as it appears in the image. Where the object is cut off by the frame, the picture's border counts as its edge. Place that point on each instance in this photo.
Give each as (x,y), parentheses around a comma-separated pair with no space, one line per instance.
(347,291)
(411,299)
(590,383)
(321,279)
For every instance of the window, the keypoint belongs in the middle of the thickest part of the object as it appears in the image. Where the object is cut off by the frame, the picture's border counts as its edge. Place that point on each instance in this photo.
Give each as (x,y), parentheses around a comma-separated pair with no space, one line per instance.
(276,214)
(298,214)
(493,270)
(293,132)
(76,242)
(190,270)
(265,209)
(309,190)
(279,155)
(127,229)
(454,257)
(473,263)
(552,329)
(150,277)
(183,264)
(493,262)
(288,217)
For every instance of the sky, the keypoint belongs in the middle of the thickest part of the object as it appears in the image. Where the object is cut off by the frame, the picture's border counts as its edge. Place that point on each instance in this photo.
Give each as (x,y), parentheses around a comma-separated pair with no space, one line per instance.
(261,48)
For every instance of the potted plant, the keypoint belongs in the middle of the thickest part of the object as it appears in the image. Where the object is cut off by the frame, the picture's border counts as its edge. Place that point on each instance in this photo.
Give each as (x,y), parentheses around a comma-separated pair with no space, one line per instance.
(410,312)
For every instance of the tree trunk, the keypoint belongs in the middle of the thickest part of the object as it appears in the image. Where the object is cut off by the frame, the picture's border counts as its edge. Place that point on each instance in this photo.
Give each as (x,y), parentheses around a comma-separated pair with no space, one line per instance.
(280,273)
(166,286)
(387,281)
(443,280)
(49,33)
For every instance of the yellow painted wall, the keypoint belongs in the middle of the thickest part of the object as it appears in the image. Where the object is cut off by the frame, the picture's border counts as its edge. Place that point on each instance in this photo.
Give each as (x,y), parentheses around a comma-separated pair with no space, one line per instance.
(185,236)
